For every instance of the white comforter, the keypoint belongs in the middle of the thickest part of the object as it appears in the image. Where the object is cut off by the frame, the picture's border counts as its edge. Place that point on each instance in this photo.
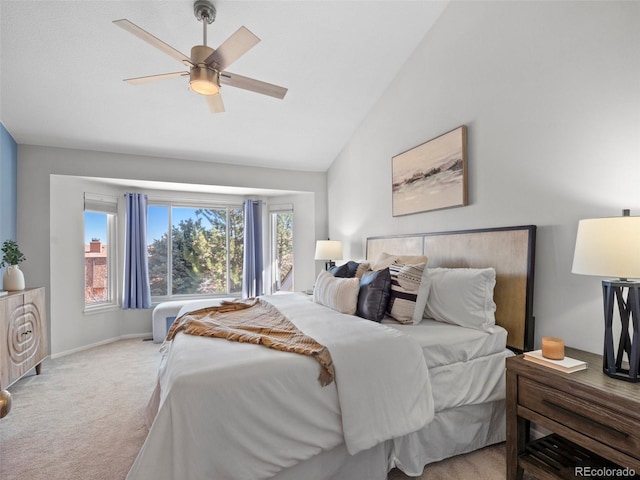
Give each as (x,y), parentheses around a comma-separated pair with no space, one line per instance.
(229,410)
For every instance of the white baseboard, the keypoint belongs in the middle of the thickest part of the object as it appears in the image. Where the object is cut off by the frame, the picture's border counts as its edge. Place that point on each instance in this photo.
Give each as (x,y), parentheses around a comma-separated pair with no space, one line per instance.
(97,344)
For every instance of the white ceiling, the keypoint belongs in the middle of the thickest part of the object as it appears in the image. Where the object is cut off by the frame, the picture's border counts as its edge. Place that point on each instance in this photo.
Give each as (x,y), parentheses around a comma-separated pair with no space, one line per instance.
(62,65)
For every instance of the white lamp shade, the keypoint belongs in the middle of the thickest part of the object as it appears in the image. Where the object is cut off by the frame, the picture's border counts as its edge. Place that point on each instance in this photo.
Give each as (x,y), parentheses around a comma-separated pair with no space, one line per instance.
(608,247)
(328,250)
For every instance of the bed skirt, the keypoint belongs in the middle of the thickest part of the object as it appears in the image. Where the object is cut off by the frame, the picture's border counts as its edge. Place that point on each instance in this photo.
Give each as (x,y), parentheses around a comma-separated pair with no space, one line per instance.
(452,432)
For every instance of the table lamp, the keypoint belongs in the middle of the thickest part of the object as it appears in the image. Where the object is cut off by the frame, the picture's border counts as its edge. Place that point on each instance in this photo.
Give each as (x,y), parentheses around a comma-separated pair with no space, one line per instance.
(329,250)
(610,247)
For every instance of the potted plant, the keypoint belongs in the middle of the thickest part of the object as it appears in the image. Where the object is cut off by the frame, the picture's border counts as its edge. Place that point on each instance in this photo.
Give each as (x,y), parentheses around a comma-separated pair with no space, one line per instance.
(13,278)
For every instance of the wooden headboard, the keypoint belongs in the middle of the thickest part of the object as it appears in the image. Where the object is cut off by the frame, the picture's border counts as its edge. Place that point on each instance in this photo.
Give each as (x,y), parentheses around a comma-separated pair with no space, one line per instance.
(510,250)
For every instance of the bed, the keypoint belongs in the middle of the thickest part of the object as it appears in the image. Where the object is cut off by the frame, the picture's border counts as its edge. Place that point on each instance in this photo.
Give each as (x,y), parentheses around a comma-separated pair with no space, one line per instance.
(227,410)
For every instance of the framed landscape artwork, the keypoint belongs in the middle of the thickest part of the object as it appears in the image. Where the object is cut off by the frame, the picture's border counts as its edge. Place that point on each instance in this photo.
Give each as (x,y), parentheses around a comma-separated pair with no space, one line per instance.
(431,176)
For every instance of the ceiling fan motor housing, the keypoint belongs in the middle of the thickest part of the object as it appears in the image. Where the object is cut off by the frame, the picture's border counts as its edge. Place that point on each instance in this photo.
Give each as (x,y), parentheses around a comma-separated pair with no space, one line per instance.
(199,53)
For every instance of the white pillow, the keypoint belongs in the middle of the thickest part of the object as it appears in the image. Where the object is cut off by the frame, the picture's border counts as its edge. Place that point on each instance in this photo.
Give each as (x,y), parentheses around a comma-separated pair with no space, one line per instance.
(340,294)
(462,296)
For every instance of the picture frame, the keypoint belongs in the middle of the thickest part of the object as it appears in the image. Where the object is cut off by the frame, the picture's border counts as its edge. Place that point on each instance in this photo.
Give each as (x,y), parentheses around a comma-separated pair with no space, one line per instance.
(431,176)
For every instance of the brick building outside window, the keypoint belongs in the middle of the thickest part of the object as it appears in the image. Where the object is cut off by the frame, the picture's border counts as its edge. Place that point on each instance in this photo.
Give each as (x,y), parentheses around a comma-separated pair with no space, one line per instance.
(96,278)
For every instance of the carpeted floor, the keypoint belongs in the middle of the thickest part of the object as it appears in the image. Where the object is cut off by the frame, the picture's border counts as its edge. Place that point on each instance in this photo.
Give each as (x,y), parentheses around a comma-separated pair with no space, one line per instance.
(81,419)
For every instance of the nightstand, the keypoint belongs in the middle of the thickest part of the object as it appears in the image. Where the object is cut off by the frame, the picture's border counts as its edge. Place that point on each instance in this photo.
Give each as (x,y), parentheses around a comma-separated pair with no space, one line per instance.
(594,420)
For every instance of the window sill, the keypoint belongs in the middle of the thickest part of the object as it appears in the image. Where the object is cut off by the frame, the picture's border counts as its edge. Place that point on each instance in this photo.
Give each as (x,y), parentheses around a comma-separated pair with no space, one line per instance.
(107,307)
(183,298)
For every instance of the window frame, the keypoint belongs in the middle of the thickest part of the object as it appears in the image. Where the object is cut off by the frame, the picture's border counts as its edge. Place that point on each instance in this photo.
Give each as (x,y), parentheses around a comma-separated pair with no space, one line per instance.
(113,298)
(194,204)
(274,211)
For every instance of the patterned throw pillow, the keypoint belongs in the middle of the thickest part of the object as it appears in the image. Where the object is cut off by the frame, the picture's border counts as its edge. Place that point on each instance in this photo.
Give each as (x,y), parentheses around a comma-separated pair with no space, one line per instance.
(405,287)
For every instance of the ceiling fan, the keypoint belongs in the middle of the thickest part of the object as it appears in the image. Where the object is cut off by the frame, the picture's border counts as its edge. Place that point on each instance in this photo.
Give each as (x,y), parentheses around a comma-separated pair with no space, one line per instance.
(207,67)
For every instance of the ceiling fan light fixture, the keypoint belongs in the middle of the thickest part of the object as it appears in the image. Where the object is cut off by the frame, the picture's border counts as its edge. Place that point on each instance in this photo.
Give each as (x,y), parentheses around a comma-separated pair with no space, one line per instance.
(204,81)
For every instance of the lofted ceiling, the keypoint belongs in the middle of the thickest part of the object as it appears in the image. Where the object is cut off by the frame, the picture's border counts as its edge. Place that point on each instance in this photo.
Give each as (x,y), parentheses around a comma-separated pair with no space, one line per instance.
(62,65)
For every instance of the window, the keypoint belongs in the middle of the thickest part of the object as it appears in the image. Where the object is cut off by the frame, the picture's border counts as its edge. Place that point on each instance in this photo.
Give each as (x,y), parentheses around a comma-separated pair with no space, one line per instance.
(282,250)
(99,251)
(194,250)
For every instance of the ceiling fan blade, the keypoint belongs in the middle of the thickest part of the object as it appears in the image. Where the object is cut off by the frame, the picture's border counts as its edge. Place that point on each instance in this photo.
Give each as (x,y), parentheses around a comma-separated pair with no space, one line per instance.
(215,103)
(151,78)
(153,41)
(253,85)
(233,48)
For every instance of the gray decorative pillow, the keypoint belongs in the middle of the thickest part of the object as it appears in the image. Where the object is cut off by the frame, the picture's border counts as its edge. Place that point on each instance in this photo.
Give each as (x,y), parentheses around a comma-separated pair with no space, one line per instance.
(374,294)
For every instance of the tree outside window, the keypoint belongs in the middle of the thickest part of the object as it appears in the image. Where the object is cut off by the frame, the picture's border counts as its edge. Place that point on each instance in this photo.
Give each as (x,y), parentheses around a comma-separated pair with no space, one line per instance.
(282,250)
(202,255)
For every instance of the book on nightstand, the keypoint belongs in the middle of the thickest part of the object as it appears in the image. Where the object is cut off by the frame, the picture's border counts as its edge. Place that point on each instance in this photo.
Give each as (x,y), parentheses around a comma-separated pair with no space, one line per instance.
(3,293)
(566,365)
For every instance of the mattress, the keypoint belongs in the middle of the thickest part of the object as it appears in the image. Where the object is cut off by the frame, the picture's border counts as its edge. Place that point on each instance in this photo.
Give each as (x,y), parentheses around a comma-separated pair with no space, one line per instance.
(466,366)
(474,382)
(446,344)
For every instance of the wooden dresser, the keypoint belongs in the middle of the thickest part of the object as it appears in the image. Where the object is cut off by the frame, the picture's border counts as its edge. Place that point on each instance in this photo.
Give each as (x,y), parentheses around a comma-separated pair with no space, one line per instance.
(24,343)
(594,420)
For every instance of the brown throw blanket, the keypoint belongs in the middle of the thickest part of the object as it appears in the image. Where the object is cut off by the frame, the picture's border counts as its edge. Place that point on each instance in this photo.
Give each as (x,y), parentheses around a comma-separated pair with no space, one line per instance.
(254,321)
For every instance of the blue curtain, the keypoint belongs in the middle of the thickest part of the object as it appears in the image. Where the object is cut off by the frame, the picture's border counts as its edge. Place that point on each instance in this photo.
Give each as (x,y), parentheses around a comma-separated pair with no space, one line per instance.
(137,293)
(252,264)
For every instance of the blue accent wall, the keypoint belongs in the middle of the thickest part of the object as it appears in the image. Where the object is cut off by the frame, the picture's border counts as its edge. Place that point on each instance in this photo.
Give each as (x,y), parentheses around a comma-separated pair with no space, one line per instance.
(8,187)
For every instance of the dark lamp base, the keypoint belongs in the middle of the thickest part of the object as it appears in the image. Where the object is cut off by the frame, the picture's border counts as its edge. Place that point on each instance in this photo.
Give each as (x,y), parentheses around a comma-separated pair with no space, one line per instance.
(629,341)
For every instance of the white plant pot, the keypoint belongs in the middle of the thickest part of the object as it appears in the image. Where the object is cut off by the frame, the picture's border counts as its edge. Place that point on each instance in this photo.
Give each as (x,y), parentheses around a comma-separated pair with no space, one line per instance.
(13,278)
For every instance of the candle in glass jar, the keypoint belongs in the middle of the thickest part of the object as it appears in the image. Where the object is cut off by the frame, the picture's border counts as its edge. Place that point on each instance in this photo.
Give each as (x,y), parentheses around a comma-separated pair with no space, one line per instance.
(552,348)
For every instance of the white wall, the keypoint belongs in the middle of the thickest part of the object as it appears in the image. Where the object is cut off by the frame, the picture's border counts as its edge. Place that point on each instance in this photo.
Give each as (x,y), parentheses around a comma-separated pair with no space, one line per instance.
(51,232)
(69,327)
(550,93)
